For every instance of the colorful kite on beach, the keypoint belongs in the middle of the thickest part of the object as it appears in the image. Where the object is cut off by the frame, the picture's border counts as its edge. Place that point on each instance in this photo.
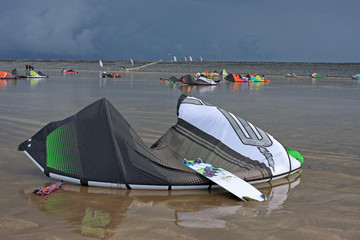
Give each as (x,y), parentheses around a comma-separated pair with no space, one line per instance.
(291,75)
(315,75)
(189,79)
(98,147)
(6,75)
(198,80)
(232,77)
(356,76)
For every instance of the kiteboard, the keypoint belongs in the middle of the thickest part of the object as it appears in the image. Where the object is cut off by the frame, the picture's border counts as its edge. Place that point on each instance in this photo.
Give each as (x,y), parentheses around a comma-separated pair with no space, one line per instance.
(225,179)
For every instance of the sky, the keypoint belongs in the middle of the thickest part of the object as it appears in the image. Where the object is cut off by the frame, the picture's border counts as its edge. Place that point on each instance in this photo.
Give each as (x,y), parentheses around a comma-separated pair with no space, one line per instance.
(150,30)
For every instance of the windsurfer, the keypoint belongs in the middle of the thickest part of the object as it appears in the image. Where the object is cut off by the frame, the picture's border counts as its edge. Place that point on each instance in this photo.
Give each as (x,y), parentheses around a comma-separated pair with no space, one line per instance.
(132,61)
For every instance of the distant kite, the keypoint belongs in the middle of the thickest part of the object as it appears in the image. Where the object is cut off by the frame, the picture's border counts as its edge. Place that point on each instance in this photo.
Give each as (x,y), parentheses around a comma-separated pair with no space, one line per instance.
(132,61)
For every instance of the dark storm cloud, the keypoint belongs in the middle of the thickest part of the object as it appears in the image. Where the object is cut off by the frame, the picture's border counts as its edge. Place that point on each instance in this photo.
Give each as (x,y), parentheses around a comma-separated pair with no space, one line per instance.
(229,30)
(48,28)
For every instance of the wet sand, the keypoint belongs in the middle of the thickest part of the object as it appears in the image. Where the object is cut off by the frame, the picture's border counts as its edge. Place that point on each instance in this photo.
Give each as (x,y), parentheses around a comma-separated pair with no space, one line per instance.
(319,118)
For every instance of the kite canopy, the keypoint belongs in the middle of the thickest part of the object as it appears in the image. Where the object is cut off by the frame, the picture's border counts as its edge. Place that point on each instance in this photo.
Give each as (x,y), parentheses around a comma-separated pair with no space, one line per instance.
(315,75)
(291,75)
(97,147)
(69,70)
(16,73)
(171,79)
(110,75)
(201,80)
(38,74)
(6,75)
(356,76)
(236,78)
(256,78)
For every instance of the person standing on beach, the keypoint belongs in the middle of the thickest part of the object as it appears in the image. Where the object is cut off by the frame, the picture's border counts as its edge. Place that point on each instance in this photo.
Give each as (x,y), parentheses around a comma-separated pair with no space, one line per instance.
(27,69)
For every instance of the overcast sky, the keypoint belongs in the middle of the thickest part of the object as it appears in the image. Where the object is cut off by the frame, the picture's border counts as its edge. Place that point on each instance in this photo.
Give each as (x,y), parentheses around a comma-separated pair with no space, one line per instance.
(222,30)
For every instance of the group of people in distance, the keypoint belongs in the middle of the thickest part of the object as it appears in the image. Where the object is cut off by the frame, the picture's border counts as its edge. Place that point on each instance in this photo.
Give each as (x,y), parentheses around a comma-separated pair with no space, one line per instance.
(29,68)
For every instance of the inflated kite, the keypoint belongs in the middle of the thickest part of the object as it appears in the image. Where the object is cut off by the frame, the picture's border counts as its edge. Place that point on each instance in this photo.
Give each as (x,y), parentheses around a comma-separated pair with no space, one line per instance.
(97,147)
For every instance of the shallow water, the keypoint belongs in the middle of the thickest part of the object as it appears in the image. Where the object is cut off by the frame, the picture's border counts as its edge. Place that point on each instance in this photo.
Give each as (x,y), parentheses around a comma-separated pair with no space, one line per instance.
(319,118)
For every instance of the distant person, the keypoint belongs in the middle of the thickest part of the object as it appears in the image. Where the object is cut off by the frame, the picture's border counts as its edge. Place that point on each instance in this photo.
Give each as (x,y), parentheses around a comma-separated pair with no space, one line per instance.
(27,69)
(32,67)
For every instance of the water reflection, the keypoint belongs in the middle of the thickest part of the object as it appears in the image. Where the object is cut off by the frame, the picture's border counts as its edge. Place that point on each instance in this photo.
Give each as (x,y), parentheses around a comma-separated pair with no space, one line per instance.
(3,83)
(34,82)
(201,90)
(238,85)
(249,86)
(210,217)
(96,212)
(190,89)
(255,86)
(205,89)
(94,223)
